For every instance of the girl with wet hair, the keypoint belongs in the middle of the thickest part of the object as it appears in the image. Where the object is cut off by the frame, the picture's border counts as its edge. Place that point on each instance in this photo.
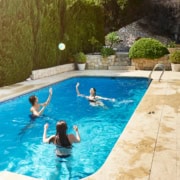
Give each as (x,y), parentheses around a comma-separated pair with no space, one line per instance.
(93,98)
(62,140)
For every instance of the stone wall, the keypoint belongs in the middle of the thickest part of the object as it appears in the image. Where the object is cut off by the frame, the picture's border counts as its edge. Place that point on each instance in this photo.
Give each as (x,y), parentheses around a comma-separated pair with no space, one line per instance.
(98,62)
(41,73)
(148,64)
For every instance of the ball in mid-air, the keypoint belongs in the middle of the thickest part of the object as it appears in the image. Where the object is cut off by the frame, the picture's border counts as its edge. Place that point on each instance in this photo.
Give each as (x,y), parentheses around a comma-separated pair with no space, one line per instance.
(61,46)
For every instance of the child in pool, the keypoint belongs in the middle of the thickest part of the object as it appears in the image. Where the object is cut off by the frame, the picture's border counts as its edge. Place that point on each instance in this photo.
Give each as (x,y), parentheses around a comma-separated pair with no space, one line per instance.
(36,109)
(61,140)
(93,98)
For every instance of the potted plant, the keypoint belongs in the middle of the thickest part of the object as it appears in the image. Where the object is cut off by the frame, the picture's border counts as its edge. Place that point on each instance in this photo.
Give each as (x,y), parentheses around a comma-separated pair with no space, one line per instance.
(145,53)
(171,47)
(107,51)
(81,60)
(175,60)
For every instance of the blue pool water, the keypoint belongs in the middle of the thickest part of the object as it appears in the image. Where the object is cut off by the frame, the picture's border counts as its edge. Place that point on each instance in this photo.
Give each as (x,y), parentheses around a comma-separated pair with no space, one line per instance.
(21,147)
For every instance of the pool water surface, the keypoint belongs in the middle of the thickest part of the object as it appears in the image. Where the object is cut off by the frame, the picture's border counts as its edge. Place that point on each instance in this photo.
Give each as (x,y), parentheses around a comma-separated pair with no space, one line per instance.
(22,150)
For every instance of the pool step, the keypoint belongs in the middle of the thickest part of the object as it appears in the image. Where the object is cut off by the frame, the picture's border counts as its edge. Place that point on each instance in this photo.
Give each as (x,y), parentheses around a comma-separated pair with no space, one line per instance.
(122,59)
(121,67)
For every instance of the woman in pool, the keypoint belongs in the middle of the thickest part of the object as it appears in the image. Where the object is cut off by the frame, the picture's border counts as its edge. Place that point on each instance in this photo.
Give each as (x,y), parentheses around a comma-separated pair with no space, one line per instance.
(35,109)
(93,98)
(62,140)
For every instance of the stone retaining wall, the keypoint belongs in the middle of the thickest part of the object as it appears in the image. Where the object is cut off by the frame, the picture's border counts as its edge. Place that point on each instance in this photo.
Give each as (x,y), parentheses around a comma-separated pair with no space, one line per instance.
(98,62)
(41,73)
(148,64)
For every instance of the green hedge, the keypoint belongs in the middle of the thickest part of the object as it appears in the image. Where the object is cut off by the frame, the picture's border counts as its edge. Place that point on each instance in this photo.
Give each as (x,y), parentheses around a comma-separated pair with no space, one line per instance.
(84,20)
(16,42)
(32,30)
(46,25)
(147,48)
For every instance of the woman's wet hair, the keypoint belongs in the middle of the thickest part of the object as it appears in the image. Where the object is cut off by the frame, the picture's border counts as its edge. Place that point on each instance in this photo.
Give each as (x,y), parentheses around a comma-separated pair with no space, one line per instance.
(94,91)
(32,99)
(61,136)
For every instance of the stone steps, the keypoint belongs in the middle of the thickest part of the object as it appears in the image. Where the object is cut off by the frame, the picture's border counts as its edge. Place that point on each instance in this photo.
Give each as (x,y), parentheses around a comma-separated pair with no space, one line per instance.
(122,63)
(121,67)
(122,59)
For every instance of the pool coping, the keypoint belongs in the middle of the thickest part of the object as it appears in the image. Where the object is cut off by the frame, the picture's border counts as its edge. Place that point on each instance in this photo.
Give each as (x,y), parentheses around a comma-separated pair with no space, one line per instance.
(24,87)
(142,148)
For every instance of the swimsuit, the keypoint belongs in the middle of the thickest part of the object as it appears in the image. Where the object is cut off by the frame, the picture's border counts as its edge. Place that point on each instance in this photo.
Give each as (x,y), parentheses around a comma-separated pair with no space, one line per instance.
(63,151)
(33,117)
(92,100)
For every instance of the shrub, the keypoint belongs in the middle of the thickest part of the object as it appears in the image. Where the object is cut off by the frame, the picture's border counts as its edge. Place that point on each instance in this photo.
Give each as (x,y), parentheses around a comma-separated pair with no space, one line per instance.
(147,48)
(175,57)
(172,44)
(94,43)
(106,51)
(80,58)
(112,38)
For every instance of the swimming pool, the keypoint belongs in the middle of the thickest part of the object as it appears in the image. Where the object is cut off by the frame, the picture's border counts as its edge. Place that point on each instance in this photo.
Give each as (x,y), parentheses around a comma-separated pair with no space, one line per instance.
(22,150)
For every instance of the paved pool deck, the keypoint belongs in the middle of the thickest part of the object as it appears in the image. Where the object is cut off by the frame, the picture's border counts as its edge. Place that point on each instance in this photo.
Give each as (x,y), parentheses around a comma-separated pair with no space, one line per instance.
(149,147)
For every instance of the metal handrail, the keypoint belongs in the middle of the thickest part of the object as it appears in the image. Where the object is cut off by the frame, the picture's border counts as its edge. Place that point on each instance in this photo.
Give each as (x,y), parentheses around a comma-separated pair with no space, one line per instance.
(158,66)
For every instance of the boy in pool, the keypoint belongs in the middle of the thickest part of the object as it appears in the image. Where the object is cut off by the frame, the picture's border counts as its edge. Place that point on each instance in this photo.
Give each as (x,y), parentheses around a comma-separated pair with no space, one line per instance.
(93,98)
(35,109)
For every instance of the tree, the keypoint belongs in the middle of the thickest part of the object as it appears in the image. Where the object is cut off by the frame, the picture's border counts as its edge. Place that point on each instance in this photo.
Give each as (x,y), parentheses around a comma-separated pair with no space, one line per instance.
(112,38)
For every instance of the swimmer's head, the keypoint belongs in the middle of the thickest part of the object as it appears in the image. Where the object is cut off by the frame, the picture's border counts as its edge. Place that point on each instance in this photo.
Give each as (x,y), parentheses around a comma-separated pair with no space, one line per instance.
(61,127)
(33,99)
(93,91)
(61,135)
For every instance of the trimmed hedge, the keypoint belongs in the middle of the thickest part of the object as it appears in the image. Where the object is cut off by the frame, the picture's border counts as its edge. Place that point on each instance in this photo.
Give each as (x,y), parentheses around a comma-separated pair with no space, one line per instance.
(84,20)
(32,30)
(147,48)
(16,42)
(46,23)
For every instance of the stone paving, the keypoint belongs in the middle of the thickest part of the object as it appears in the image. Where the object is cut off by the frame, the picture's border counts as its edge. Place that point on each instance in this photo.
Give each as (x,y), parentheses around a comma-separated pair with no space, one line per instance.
(149,147)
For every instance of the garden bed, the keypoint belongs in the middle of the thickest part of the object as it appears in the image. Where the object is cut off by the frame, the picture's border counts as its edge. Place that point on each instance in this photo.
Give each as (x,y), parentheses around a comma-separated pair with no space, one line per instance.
(148,64)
